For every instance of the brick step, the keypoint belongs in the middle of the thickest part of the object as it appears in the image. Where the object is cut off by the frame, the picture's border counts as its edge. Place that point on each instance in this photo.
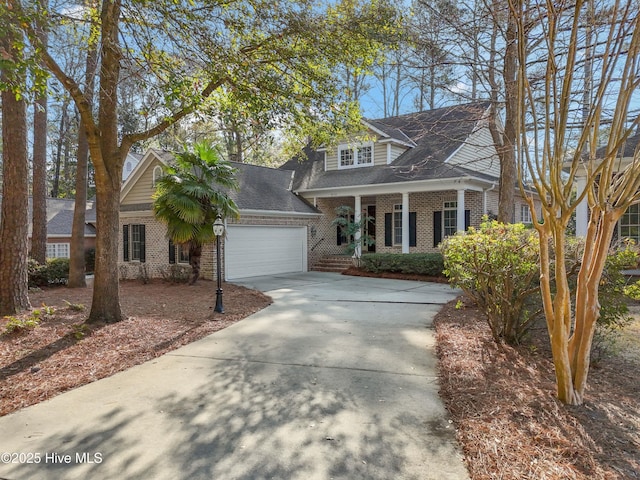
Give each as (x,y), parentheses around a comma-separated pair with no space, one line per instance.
(333,264)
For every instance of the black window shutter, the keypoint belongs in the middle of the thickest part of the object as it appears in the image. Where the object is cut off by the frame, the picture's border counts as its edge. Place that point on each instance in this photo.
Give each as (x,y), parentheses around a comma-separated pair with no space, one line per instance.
(142,243)
(437,228)
(467,219)
(388,229)
(338,235)
(413,237)
(172,252)
(125,243)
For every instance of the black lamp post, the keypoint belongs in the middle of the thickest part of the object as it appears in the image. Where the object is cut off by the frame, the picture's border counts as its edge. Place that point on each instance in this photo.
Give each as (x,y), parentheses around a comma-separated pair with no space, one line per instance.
(218,231)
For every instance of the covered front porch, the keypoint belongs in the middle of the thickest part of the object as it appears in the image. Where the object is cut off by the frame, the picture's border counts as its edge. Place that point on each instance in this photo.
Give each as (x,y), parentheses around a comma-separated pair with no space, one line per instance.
(401,218)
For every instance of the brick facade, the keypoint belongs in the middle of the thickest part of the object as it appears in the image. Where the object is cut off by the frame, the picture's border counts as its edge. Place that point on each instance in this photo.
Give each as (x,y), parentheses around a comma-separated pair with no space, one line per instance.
(423,203)
(157,264)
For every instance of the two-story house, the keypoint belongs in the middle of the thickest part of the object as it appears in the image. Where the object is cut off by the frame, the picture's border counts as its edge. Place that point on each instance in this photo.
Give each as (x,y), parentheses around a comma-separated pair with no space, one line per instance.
(420,177)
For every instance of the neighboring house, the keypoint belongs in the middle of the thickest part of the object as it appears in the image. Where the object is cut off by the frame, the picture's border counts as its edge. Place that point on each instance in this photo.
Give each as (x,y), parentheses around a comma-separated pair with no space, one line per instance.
(59,225)
(421,177)
(271,236)
(629,224)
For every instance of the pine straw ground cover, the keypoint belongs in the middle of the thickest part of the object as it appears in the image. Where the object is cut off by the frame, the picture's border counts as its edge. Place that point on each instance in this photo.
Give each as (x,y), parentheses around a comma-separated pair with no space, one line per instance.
(63,353)
(508,422)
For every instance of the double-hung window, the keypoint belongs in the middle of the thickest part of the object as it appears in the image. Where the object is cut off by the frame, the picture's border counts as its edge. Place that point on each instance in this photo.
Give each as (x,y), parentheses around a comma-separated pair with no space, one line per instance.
(133,243)
(359,156)
(630,223)
(450,218)
(57,250)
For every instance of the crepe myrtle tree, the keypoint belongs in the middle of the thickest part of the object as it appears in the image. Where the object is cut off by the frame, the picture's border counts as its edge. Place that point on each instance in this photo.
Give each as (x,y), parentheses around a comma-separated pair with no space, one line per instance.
(574,119)
(280,58)
(191,195)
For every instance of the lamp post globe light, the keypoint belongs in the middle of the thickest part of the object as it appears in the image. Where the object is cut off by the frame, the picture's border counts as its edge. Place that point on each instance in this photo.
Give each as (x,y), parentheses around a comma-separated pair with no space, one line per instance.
(218,231)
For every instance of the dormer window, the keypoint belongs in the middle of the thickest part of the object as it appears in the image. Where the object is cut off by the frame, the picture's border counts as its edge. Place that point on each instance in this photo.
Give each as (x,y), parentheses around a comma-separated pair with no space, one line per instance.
(359,156)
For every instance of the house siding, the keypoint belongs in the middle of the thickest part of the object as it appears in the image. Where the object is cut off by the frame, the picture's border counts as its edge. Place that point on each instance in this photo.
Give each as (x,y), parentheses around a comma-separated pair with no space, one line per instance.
(478,154)
(143,189)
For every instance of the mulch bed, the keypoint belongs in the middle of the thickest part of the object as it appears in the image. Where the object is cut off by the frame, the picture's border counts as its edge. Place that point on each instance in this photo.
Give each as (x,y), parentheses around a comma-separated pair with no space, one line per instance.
(359,272)
(509,423)
(63,352)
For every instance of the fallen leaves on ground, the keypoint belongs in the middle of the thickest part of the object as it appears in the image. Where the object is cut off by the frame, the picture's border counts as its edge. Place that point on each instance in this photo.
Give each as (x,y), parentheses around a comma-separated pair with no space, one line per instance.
(63,352)
(509,423)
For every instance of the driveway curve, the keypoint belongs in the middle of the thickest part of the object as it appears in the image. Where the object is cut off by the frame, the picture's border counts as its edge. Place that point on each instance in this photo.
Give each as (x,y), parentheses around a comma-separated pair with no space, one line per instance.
(335,380)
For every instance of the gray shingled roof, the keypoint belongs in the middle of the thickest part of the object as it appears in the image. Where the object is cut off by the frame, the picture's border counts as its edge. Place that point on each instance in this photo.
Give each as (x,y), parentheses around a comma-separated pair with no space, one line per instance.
(437,134)
(629,149)
(269,189)
(60,217)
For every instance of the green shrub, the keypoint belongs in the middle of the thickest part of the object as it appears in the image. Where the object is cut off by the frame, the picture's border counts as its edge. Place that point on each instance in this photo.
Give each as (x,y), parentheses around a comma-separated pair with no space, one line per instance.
(431,264)
(176,273)
(612,294)
(497,266)
(37,274)
(57,271)
(54,272)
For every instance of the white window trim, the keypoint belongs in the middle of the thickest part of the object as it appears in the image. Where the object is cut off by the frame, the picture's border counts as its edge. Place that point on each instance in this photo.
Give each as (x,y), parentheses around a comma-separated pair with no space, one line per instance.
(453,207)
(525,214)
(625,223)
(354,149)
(56,250)
(157,174)
(397,211)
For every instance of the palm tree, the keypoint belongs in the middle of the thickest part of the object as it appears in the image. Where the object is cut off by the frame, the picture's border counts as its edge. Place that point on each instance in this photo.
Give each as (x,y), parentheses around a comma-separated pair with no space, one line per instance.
(191,195)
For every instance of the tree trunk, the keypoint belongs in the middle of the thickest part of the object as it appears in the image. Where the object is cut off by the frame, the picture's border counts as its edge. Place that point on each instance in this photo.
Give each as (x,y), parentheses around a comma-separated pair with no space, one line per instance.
(195,254)
(39,185)
(108,160)
(508,170)
(105,306)
(15,201)
(55,190)
(77,267)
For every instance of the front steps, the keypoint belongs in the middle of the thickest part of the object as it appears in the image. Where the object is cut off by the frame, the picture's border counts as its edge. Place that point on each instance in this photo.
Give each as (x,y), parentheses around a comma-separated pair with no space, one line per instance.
(333,263)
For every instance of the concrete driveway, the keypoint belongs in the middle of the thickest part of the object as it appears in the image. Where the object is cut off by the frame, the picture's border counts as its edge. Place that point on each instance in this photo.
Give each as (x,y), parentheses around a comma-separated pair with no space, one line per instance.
(336,379)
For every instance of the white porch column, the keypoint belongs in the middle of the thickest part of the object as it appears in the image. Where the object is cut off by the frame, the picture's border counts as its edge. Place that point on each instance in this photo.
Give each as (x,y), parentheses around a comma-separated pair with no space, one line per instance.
(357,217)
(460,212)
(405,223)
(582,210)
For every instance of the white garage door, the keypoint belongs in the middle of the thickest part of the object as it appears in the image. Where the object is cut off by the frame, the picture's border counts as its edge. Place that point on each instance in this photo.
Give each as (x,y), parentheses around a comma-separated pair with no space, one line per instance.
(264,250)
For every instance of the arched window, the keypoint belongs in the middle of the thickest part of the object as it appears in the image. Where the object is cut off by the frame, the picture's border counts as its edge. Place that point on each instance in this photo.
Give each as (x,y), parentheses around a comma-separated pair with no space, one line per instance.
(157,174)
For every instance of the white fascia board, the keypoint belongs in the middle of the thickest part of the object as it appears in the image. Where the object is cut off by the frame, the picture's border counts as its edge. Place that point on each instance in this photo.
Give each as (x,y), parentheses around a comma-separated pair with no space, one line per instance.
(375,130)
(62,235)
(397,142)
(276,213)
(137,172)
(434,185)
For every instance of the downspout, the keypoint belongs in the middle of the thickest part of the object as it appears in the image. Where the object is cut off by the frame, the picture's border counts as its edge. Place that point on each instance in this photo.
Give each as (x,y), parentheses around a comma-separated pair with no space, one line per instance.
(484,197)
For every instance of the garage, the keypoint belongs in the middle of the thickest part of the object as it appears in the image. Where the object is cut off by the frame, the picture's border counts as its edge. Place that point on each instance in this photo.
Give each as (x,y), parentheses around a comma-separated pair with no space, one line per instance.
(252,250)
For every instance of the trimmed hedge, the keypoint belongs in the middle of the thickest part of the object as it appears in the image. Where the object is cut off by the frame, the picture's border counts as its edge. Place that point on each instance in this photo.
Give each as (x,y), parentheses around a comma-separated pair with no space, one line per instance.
(431,264)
